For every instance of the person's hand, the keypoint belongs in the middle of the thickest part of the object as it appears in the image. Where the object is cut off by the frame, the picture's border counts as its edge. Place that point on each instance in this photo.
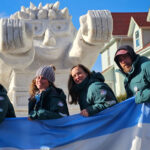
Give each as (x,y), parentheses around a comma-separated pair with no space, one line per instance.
(96,26)
(84,112)
(30,119)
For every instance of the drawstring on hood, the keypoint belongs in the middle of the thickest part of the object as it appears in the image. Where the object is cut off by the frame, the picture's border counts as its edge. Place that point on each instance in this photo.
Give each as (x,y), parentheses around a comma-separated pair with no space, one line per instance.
(97,76)
(2,89)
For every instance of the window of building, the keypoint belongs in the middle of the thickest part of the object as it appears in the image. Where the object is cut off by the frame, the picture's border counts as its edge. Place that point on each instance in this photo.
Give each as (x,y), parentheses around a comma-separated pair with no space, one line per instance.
(137,39)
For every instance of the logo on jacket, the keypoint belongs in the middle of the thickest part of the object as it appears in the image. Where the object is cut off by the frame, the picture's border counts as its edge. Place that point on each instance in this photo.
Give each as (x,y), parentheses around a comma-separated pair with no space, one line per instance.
(1,110)
(1,98)
(60,104)
(135,89)
(103,92)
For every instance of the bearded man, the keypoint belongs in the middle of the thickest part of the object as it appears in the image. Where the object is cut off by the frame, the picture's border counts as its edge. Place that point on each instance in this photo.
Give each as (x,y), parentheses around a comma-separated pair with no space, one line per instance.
(135,69)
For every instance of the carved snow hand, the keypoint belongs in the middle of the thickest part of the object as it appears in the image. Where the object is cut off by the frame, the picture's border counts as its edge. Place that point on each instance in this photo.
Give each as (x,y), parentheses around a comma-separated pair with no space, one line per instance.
(96,26)
(15,36)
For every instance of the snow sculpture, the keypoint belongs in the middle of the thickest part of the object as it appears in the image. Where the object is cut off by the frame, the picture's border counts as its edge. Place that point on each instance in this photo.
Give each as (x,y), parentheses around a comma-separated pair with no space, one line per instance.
(45,35)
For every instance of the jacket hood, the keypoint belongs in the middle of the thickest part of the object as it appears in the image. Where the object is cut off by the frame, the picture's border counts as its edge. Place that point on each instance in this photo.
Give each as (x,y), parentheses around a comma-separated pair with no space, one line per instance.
(61,93)
(55,92)
(130,50)
(96,76)
(2,89)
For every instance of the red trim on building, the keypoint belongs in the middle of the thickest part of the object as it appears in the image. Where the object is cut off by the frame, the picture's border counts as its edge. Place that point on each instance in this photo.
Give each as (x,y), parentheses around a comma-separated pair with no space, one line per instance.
(147,45)
(121,21)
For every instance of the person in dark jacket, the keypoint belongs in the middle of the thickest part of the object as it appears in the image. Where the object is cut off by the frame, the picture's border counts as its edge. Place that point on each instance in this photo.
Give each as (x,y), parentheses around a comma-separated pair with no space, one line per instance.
(89,91)
(46,101)
(135,69)
(6,107)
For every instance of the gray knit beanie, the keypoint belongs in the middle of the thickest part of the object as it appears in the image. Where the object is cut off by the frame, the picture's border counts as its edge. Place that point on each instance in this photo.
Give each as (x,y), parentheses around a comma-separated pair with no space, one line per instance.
(47,72)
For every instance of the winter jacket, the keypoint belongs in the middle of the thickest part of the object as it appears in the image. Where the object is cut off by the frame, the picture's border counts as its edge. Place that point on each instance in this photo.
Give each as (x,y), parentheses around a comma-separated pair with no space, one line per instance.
(94,94)
(137,81)
(6,107)
(52,105)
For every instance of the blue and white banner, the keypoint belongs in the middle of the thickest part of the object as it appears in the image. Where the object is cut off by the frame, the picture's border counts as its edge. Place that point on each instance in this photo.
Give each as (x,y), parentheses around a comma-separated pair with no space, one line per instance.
(125,126)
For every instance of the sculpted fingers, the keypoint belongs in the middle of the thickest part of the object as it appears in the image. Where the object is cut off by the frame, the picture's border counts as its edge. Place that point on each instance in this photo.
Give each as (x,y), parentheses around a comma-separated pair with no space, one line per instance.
(10,38)
(96,26)
(108,25)
(18,39)
(9,35)
(84,25)
(87,29)
(15,36)
(103,25)
(3,34)
(27,33)
(22,36)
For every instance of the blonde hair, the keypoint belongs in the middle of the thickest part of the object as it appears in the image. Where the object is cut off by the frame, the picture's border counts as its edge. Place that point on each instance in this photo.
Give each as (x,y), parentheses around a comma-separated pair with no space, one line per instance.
(33,88)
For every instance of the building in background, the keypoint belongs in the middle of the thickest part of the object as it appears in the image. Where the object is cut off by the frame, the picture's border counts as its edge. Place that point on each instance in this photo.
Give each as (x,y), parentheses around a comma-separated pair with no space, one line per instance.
(128,28)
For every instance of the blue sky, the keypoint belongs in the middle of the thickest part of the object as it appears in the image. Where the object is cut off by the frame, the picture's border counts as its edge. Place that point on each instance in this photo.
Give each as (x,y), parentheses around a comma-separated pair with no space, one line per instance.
(78,8)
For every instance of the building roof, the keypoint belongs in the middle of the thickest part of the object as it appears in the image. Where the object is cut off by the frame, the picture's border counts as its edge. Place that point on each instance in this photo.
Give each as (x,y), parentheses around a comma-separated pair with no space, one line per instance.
(121,21)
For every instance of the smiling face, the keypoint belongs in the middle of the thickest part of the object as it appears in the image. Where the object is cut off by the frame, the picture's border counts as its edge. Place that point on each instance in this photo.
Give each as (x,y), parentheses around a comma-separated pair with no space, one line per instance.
(125,62)
(53,31)
(42,83)
(78,75)
(52,37)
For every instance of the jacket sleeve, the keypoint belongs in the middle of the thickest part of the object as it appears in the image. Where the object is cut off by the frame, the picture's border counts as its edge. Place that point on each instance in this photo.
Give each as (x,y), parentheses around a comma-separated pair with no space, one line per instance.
(57,110)
(99,98)
(144,94)
(11,111)
(3,107)
(31,105)
(31,112)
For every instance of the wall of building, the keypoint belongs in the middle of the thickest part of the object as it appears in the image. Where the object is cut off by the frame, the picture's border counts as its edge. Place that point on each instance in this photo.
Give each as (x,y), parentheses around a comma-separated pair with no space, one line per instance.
(110,77)
(108,56)
(146,36)
(119,83)
(112,50)
(104,58)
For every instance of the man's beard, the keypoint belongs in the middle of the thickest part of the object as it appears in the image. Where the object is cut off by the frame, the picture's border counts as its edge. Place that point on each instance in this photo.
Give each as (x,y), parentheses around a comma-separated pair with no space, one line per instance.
(127,69)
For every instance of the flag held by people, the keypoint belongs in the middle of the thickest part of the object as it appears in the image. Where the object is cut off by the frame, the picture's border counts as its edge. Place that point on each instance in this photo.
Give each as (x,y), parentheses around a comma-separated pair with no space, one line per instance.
(125,126)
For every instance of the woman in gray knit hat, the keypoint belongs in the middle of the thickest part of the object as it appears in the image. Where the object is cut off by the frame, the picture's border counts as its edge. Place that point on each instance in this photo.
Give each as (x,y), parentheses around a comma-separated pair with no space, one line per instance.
(46,100)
